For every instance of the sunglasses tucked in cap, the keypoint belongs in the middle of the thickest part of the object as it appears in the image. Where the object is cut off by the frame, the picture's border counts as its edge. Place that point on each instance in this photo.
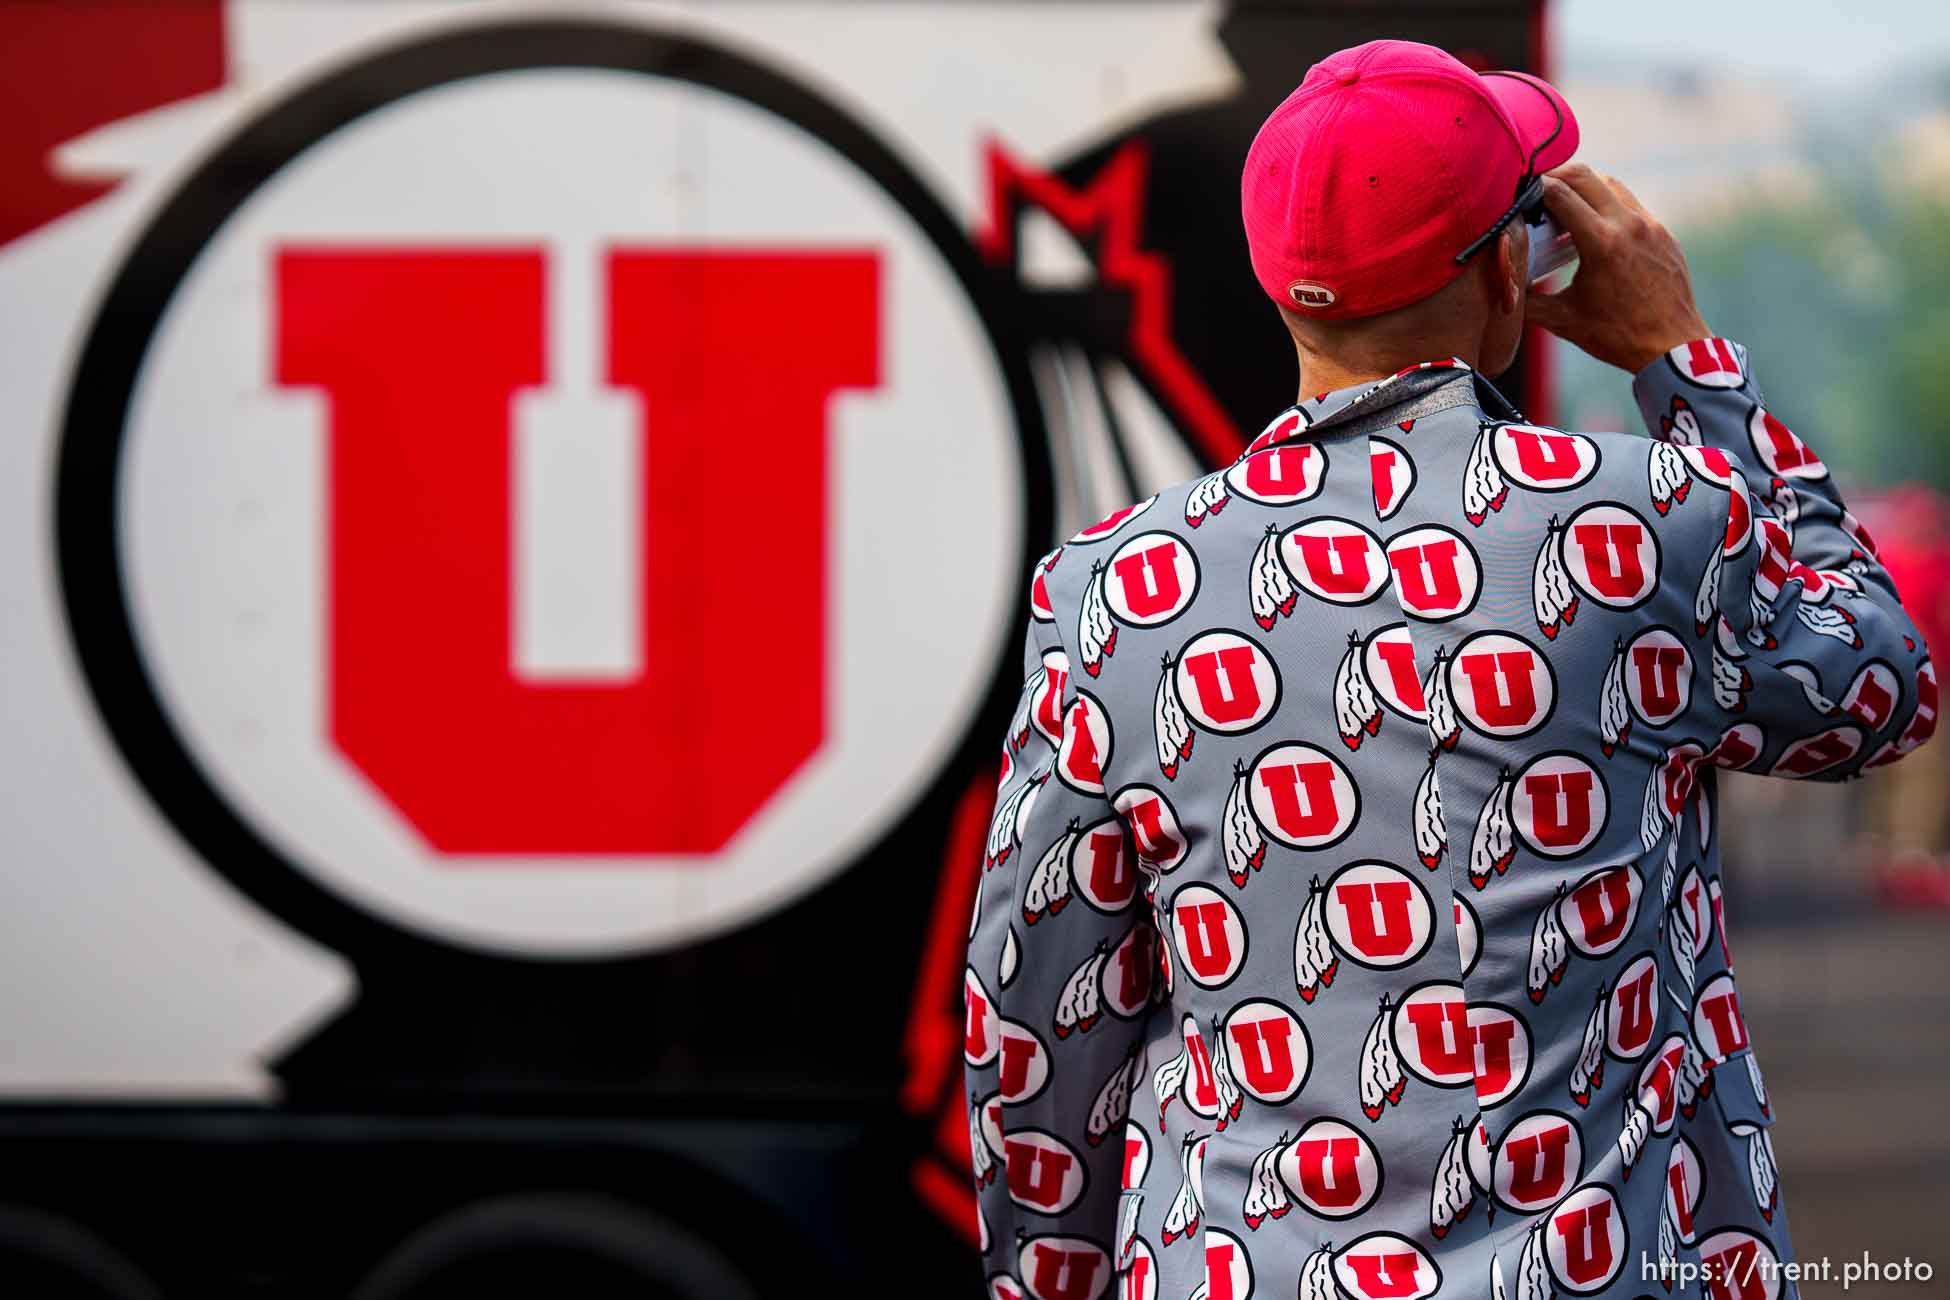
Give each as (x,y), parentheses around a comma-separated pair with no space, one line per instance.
(1391,159)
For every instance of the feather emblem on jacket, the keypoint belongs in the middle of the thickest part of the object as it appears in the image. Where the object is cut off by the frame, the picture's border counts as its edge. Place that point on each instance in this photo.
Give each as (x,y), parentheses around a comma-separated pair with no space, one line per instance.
(1357,712)
(1172,726)
(1272,589)
(1494,844)
(1243,842)
(1553,599)
(1314,962)
(1096,634)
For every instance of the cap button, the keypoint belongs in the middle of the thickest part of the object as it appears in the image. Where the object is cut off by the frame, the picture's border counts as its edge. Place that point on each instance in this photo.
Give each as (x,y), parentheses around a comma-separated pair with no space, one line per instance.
(1348,76)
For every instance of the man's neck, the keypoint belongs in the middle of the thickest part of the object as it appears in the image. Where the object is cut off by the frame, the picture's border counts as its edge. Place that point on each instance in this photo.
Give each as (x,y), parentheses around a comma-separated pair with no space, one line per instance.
(1323,374)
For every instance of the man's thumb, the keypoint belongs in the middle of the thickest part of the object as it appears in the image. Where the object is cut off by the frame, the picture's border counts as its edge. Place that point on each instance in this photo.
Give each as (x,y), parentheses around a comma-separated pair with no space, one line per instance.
(1548,311)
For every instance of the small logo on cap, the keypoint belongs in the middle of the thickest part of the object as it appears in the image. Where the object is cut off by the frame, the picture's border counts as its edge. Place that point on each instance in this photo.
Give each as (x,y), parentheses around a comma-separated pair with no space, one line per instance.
(1306,293)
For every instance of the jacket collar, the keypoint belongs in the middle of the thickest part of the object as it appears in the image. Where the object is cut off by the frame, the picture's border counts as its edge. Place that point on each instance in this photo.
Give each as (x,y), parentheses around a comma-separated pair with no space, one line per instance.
(1429,385)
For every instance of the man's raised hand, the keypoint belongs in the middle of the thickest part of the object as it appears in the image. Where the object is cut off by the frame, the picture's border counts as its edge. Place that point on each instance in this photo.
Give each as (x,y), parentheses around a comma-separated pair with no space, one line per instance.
(1632,298)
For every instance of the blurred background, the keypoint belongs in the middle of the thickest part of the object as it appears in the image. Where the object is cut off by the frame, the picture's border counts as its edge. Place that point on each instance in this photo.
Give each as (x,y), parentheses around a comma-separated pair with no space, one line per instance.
(401,409)
(1800,153)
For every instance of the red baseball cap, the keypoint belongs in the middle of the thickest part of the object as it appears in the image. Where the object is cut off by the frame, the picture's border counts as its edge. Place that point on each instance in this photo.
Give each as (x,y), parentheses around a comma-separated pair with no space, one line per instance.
(1390,159)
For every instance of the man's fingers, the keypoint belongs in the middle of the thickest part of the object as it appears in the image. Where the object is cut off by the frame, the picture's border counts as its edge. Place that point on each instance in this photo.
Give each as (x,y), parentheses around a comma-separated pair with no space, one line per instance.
(1626,196)
(1590,187)
(1577,217)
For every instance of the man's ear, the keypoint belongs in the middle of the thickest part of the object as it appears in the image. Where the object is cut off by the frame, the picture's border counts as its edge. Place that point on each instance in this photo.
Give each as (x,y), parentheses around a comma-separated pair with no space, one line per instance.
(1512,266)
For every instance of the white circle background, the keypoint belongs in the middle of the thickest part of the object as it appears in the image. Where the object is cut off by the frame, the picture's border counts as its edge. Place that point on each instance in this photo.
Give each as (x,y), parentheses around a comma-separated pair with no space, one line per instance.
(223,495)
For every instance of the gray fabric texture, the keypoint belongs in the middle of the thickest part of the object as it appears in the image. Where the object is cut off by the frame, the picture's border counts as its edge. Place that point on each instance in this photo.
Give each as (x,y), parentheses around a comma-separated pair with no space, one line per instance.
(1351,921)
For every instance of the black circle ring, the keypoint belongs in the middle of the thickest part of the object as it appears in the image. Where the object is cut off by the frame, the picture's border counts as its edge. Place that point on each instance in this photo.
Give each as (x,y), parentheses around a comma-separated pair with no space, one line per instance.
(88,473)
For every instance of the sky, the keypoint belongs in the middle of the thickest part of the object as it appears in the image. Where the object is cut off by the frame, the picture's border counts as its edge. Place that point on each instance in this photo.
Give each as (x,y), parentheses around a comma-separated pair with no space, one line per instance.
(1831,41)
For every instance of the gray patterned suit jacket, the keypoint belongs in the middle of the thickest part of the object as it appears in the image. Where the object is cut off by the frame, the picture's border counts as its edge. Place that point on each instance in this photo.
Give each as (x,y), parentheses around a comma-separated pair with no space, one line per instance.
(1351,921)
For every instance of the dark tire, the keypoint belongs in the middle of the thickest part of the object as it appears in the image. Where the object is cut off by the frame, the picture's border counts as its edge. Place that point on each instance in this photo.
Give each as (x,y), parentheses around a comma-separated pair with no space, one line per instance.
(54,1258)
(571,1244)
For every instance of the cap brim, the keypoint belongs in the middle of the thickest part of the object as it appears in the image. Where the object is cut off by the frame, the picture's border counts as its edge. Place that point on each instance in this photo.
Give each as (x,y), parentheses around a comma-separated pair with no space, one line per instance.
(1537,110)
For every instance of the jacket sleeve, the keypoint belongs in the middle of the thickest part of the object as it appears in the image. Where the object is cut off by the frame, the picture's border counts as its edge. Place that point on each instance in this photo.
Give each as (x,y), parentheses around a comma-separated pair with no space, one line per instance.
(1814,658)
(1057,991)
